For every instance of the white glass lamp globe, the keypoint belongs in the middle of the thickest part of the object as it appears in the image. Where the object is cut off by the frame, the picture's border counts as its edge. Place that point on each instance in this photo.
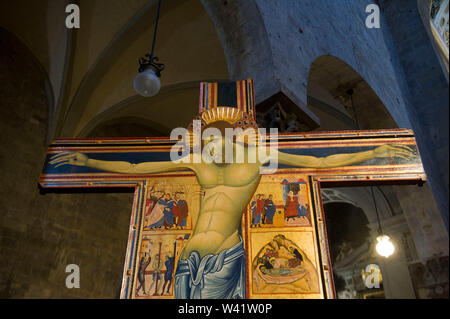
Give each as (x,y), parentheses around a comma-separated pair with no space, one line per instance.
(384,246)
(147,83)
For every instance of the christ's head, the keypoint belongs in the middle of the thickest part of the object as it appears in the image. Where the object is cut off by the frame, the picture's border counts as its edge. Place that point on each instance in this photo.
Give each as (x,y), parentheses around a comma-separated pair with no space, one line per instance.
(222,132)
(214,140)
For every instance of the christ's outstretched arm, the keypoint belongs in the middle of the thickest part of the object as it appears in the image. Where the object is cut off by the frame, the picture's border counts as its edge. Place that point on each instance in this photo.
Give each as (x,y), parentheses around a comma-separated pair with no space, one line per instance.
(338,160)
(80,159)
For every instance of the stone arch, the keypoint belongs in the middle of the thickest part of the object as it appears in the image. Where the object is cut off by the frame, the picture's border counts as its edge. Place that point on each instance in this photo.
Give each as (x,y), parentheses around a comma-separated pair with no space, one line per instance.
(397,282)
(360,197)
(187,44)
(128,33)
(154,112)
(329,80)
(345,220)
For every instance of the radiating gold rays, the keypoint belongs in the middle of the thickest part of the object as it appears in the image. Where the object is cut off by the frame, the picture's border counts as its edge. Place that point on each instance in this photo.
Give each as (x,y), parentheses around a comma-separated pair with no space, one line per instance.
(221,113)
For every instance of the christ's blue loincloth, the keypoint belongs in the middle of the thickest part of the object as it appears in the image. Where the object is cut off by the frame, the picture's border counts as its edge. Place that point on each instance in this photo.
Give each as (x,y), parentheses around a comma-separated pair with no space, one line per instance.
(220,276)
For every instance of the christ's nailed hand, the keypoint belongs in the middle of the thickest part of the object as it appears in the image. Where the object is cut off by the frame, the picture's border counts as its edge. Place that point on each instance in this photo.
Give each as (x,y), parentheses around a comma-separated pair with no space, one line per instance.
(69,158)
(394,150)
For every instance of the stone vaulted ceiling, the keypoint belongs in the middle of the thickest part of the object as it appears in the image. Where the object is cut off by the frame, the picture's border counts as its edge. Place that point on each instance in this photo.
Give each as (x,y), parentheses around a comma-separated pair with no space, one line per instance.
(91,70)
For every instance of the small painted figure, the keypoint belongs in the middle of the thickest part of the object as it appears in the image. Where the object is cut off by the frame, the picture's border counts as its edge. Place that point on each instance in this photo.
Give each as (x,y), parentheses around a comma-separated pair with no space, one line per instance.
(168,276)
(180,210)
(290,209)
(270,210)
(264,207)
(168,212)
(259,209)
(149,205)
(157,214)
(143,264)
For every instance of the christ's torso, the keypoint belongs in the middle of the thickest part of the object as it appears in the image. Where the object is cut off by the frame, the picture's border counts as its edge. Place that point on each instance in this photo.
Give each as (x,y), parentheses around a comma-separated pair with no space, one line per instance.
(228,190)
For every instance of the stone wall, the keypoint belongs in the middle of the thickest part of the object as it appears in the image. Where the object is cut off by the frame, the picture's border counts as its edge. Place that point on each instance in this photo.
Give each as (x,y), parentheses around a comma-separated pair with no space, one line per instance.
(41,234)
(427,91)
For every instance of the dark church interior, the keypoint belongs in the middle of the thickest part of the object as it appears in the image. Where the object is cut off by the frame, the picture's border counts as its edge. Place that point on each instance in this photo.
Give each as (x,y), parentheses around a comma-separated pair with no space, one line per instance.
(67,70)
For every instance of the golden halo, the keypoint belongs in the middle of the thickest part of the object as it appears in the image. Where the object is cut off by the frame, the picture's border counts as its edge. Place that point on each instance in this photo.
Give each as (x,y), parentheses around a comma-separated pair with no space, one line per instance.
(231,115)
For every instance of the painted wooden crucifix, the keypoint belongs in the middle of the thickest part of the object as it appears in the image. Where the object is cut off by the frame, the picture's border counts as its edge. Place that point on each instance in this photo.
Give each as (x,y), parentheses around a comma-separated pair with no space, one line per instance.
(237,215)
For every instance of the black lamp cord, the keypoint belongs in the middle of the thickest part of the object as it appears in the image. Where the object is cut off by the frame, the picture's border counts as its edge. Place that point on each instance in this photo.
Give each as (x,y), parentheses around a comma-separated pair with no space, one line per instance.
(156,29)
(350,92)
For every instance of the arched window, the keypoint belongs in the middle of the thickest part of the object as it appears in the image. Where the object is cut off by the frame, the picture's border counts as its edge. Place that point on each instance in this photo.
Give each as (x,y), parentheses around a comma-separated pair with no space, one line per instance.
(439,21)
